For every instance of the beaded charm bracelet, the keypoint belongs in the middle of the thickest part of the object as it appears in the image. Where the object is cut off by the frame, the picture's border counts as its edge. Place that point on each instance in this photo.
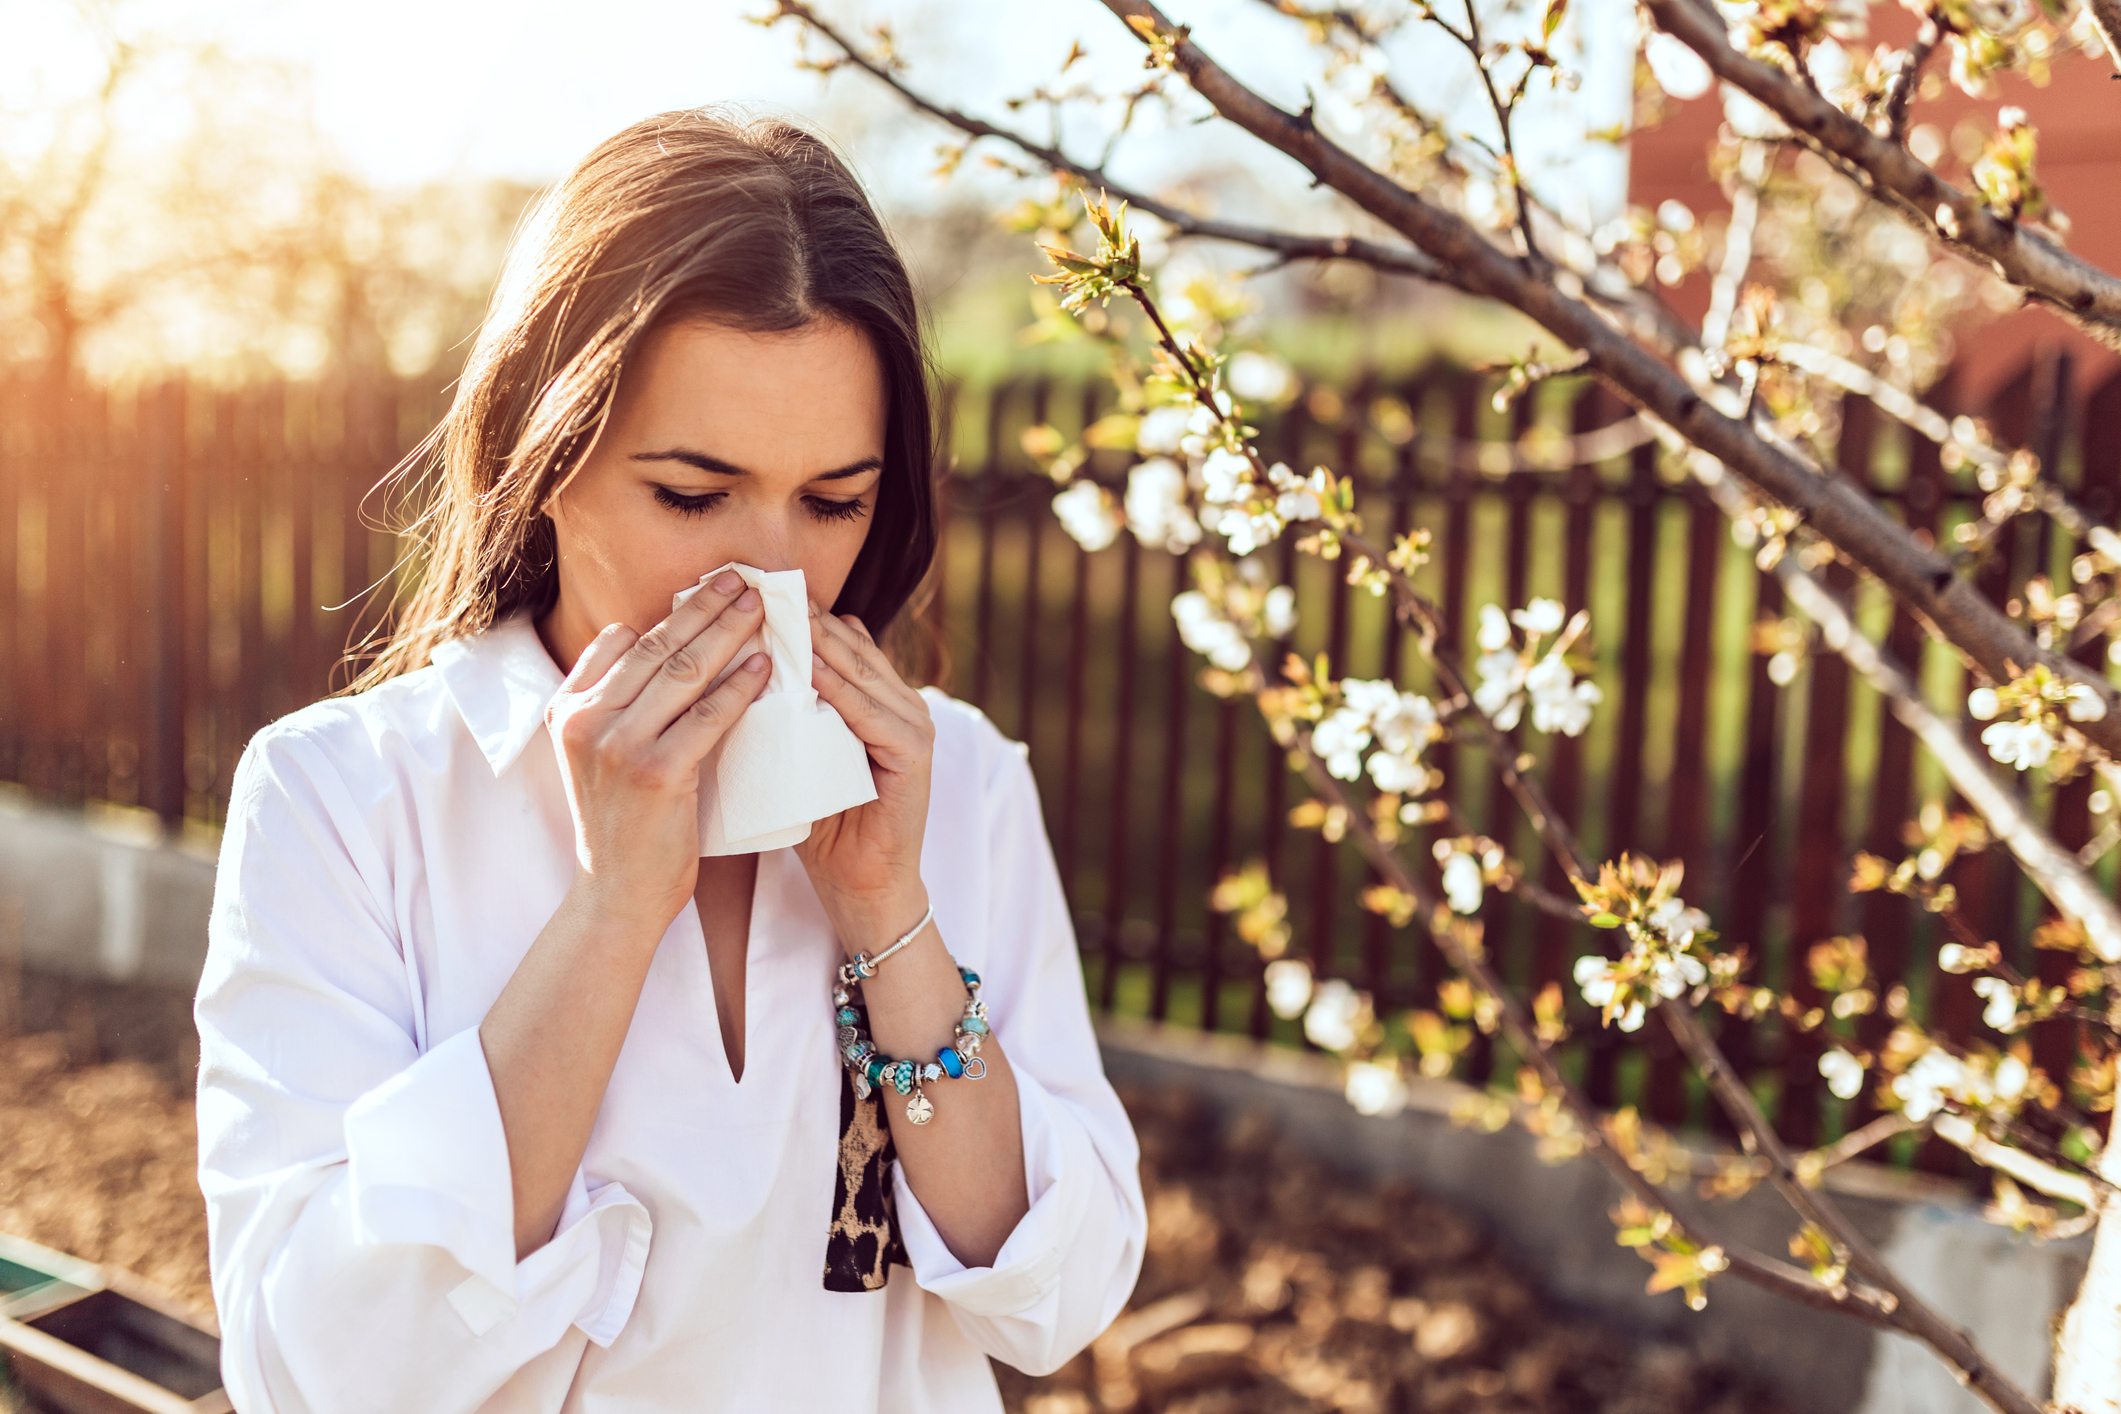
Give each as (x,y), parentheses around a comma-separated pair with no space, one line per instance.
(958,1060)
(866,966)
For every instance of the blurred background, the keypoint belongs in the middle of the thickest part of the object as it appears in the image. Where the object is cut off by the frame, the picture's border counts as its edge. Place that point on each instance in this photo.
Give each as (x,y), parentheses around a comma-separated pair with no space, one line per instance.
(243,246)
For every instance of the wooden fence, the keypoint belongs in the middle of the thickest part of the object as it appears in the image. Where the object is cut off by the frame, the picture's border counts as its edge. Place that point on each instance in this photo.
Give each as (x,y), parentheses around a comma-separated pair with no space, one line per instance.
(167,553)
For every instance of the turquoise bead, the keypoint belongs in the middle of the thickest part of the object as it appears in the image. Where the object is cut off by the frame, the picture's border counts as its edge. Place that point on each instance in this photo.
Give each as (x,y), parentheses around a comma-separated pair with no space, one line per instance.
(902,1077)
(976,1026)
(848,1017)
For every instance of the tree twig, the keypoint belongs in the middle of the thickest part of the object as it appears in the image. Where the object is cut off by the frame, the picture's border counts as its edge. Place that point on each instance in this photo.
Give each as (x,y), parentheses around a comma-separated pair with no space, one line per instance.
(1835,508)
(2087,296)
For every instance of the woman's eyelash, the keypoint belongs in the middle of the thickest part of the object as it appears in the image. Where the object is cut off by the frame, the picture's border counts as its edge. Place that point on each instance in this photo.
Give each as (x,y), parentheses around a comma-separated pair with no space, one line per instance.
(825,508)
(686,505)
(821,507)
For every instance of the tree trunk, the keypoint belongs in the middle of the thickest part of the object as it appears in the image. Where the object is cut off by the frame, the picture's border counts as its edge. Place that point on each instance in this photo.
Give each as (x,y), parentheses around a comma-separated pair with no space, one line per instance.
(2088,1353)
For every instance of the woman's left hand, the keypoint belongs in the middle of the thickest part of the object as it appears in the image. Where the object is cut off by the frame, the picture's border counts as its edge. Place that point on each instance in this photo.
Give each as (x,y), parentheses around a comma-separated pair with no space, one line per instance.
(866,862)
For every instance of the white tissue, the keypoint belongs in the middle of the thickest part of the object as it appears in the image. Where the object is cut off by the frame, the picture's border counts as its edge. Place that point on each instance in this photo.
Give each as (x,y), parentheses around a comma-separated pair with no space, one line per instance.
(790,760)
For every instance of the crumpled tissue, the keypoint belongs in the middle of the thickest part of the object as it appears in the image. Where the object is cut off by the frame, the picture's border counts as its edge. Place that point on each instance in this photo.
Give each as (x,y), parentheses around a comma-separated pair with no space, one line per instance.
(790,760)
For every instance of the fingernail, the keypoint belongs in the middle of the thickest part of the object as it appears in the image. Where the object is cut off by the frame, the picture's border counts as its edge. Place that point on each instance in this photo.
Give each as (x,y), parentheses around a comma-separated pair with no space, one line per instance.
(813,609)
(756,663)
(728,584)
(817,660)
(749,599)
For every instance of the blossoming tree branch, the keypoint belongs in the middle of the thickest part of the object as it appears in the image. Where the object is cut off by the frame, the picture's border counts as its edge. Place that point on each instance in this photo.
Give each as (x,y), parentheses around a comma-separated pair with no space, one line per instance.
(1749,404)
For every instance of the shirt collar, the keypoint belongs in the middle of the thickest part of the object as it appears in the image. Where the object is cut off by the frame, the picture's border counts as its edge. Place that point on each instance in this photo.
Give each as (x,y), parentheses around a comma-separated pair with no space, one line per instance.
(501,681)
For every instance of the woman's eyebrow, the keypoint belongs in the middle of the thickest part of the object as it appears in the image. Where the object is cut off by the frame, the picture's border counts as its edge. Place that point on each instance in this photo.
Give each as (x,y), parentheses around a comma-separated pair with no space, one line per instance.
(703,462)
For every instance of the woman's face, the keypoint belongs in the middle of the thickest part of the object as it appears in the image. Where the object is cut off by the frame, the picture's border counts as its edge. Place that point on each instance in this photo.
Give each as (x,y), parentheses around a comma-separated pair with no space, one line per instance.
(765,449)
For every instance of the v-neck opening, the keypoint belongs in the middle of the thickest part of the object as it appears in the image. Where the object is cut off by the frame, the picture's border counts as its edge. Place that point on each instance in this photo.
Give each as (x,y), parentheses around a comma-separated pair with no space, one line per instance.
(714,990)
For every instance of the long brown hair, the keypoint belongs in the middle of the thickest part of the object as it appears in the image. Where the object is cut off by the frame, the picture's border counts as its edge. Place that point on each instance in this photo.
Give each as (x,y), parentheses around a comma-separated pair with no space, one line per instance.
(757,225)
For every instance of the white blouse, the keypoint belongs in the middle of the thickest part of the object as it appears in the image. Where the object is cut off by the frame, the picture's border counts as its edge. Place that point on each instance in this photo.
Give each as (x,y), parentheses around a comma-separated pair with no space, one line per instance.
(388,860)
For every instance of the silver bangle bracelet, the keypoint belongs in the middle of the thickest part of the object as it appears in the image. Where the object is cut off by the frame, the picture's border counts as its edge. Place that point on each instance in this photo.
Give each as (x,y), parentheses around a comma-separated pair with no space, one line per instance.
(866,966)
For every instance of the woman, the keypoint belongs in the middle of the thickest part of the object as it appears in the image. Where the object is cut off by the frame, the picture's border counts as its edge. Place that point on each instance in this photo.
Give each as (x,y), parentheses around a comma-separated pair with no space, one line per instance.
(509,1099)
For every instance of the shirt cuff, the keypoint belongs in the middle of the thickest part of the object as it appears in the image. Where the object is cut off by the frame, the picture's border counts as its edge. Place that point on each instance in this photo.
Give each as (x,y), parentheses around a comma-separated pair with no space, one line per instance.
(428,1165)
(1027,1269)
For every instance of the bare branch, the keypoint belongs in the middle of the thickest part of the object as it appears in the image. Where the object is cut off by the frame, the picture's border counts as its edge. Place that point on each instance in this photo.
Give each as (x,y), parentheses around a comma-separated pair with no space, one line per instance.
(1859,1141)
(1737,243)
(1959,1131)
(1900,90)
(1834,507)
(1396,260)
(1866,1303)
(2106,18)
(2088,296)
(2054,870)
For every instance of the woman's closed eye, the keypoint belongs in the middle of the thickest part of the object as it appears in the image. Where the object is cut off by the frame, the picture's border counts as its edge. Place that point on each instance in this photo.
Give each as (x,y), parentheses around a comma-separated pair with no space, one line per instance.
(824,508)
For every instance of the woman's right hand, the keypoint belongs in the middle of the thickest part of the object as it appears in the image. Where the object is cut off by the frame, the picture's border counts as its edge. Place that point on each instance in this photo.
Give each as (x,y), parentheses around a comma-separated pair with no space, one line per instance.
(630,726)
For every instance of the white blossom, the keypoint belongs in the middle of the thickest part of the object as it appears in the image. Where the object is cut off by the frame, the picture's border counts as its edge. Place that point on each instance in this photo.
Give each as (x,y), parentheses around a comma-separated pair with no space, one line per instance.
(1559,702)
(1678,70)
(1258,377)
(1677,922)
(1200,426)
(1595,978)
(1330,1022)
(1340,740)
(2012,1076)
(2022,745)
(1296,505)
(2084,703)
(1981,704)
(1085,512)
(1204,630)
(1288,987)
(1494,627)
(1407,726)
(1279,611)
(1376,1089)
(1844,1074)
(1540,616)
(1924,1088)
(2002,1008)
(1671,976)
(1247,533)
(1226,477)
(1462,883)
(1499,693)
(1632,1018)
(1369,696)
(1161,430)
(1397,774)
(1156,507)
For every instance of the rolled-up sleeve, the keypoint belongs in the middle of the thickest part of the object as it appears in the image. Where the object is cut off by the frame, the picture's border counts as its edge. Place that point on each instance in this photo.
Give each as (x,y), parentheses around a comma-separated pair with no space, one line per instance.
(359,1200)
(1067,1268)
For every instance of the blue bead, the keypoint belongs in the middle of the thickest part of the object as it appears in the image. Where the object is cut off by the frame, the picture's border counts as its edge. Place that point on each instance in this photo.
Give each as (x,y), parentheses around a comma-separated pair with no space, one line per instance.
(953,1065)
(971,978)
(848,1017)
(902,1077)
(976,1026)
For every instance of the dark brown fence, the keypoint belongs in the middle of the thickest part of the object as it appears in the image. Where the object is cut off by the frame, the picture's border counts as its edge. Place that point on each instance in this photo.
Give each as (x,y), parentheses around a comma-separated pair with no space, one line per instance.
(166,553)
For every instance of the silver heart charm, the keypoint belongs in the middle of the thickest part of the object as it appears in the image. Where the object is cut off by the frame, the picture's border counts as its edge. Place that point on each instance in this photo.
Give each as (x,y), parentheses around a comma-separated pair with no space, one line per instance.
(919,1110)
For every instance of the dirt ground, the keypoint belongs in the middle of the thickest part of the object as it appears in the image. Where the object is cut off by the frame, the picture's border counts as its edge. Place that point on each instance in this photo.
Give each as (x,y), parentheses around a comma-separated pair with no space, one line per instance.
(1269,1288)
(100,1161)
